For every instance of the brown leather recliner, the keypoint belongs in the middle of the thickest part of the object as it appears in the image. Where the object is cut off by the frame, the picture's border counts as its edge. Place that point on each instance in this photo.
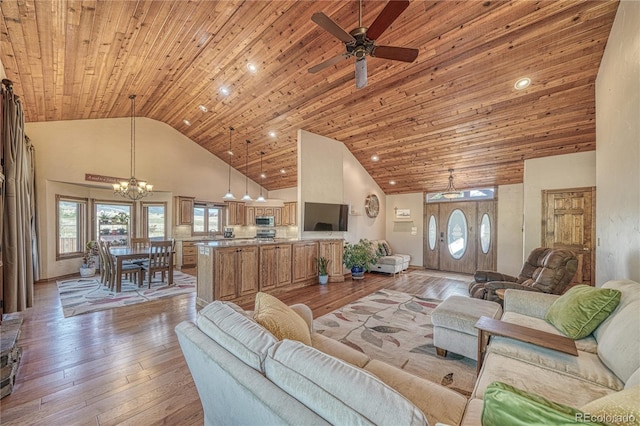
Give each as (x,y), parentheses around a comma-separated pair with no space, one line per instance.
(546,270)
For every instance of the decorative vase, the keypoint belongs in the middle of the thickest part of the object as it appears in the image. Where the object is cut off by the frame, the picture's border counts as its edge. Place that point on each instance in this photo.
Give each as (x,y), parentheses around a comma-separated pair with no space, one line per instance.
(357,273)
(87,272)
(323,279)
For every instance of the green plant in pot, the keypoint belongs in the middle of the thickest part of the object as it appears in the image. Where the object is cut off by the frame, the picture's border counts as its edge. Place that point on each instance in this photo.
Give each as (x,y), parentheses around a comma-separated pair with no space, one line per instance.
(89,260)
(323,271)
(359,257)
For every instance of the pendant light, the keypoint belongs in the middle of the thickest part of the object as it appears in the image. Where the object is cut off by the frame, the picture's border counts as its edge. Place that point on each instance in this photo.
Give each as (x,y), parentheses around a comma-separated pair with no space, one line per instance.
(246,196)
(261,199)
(229,194)
(451,191)
(133,188)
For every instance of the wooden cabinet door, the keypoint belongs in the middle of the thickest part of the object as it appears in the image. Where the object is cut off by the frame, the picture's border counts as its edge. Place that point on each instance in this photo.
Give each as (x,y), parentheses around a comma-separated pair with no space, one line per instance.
(283,253)
(251,216)
(225,271)
(332,250)
(277,214)
(247,271)
(184,210)
(285,215)
(268,267)
(299,267)
(293,212)
(241,216)
(311,257)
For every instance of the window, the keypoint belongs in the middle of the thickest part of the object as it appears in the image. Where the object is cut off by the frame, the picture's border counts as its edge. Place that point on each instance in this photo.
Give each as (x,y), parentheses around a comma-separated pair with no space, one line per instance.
(467,195)
(154,220)
(457,234)
(113,222)
(432,232)
(207,218)
(71,228)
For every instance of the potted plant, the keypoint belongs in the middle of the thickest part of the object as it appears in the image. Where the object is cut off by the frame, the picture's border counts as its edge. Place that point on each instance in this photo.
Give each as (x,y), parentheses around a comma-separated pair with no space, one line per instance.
(323,274)
(359,257)
(89,260)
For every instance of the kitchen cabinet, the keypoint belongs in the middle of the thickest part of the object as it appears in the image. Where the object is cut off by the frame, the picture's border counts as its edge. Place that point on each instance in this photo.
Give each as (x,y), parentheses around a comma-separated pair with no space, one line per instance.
(304,262)
(289,213)
(332,250)
(277,214)
(275,266)
(236,214)
(189,254)
(251,216)
(226,273)
(183,210)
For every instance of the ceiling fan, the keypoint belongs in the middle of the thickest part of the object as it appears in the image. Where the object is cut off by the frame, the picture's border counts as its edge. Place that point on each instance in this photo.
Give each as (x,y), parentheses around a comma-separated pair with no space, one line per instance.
(360,42)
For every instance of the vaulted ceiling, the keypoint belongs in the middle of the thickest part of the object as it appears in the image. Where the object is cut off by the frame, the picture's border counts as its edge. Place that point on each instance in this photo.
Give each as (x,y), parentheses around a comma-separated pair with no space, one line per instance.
(454,107)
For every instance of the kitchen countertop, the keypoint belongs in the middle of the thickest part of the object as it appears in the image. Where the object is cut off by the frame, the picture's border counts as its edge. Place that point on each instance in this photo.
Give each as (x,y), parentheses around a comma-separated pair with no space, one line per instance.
(233,242)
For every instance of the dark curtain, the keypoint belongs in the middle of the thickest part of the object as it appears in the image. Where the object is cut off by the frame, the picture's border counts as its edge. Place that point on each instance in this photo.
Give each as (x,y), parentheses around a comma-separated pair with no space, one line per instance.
(19,239)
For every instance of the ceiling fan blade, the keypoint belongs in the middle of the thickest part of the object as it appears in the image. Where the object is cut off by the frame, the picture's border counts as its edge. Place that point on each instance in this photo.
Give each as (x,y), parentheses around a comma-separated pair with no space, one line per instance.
(404,54)
(328,63)
(361,73)
(330,26)
(390,13)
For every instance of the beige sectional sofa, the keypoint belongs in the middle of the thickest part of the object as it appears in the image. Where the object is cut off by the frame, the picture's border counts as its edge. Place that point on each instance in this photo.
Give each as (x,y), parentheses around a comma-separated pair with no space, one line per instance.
(244,375)
(389,262)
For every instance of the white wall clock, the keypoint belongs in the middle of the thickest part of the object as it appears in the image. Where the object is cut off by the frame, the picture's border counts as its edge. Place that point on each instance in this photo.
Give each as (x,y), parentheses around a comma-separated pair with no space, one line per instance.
(372,205)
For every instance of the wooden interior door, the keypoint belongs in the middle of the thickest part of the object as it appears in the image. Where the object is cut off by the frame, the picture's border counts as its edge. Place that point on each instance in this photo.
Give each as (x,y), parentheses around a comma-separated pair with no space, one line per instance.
(568,222)
(457,235)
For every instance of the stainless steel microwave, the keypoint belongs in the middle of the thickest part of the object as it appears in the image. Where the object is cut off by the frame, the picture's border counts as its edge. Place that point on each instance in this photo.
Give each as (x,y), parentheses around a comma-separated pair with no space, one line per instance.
(265,221)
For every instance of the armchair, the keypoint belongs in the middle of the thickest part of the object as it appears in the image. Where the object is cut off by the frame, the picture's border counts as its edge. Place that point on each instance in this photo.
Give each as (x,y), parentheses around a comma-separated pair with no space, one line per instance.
(546,270)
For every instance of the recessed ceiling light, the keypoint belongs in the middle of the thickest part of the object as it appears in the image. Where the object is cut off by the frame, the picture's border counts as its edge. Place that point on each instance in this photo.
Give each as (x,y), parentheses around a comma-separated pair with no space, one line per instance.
(203,108)
(283,171)
(392,182)
(522,83)
(187,122)
(252,67)
(262,175)
(224,91)
(374,158)
(272,134)
(230,152)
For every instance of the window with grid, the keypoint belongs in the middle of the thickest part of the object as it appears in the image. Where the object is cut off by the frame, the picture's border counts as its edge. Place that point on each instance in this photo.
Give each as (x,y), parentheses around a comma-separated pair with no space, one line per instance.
(71,226)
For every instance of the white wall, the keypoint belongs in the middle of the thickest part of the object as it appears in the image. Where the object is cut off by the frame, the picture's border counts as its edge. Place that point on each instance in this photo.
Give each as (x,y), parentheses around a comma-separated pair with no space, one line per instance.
(558,172)
(510,236)
(329,173)
(173,163)
(406,235)
(618,150)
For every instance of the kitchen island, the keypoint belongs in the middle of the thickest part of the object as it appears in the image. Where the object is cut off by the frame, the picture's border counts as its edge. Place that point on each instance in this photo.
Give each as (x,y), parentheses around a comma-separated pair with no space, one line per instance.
(236,270)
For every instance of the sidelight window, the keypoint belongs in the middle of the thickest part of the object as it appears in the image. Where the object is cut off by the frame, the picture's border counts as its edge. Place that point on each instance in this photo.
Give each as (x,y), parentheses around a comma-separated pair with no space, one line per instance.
(433,231)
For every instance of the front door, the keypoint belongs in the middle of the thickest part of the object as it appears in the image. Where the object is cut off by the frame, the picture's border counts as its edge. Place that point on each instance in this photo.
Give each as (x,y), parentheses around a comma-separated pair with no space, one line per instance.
(569,223)
(460,236)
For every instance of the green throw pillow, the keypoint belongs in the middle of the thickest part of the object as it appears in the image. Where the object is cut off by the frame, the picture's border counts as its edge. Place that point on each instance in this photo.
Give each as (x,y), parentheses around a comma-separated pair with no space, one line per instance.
(506,405)
(581,310)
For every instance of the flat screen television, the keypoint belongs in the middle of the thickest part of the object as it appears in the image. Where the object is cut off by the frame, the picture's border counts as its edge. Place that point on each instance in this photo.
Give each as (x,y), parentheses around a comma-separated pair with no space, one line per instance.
(325,217)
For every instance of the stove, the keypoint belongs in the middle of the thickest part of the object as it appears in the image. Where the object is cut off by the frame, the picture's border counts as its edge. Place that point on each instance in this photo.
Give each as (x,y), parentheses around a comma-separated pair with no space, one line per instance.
(266,234)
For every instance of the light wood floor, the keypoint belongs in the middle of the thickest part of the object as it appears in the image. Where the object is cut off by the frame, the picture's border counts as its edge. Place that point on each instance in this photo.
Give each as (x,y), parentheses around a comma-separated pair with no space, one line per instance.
(125,366)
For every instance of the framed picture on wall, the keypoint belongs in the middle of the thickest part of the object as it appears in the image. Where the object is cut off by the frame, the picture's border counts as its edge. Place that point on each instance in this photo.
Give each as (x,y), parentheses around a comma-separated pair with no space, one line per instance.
(403,213)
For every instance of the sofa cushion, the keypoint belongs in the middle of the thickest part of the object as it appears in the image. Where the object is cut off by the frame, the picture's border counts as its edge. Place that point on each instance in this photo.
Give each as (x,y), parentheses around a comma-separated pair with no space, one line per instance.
(390,260)
(387,247)
(507,405)
(620,408)
(581,309)
(337,391)
(339,350)
(236,332)
(438,403)
(280,319)
(619,335)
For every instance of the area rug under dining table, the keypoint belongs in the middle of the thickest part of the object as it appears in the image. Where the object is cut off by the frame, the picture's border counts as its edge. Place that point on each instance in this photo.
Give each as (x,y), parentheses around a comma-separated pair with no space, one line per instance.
(84,295)
(396,327)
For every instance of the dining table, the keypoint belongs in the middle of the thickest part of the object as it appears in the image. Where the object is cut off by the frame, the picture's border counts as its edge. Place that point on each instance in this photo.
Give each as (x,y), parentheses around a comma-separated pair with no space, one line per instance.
(121,253)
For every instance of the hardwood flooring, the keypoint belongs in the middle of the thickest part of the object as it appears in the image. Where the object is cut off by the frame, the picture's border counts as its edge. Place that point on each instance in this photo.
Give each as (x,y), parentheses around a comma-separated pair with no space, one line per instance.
(125,366)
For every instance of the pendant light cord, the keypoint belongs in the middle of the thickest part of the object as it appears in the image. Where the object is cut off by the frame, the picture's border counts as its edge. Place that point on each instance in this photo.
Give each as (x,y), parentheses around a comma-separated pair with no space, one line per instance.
(133,134)
(231,129)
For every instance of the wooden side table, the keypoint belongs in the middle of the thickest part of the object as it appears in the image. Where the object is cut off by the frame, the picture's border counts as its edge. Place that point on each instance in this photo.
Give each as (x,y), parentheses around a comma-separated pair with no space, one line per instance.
(488,326)
(500,293)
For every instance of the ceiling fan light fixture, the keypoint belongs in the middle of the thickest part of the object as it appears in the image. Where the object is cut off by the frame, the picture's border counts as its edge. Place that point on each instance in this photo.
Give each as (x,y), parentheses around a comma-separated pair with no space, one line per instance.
(361,73)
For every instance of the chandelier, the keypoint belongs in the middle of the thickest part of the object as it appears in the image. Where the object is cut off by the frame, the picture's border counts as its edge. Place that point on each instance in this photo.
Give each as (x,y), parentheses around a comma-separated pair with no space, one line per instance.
(260,198)
(229,194)
(133,189)
(246,196)
(451,191)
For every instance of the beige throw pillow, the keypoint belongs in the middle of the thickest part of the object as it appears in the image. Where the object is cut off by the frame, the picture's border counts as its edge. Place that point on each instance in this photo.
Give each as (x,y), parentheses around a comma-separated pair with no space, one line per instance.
(282,321)
(620,408)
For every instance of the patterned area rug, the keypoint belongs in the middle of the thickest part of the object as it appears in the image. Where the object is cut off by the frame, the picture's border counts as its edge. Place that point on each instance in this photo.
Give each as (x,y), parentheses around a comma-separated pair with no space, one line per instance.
(396,328)
(83,295)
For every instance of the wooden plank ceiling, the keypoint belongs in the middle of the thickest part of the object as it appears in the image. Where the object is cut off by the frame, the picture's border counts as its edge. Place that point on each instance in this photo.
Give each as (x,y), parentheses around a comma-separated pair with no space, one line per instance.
(454,107)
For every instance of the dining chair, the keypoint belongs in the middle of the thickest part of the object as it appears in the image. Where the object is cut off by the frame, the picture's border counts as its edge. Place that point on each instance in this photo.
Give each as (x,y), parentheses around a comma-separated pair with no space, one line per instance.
(140,242)
(105,270)
(160,253)
(130,270)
